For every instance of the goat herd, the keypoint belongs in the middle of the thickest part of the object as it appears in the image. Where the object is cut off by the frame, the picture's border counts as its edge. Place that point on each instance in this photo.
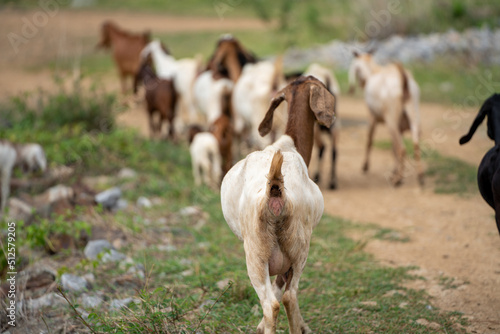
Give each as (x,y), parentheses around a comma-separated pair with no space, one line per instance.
(268,199)
(228,106)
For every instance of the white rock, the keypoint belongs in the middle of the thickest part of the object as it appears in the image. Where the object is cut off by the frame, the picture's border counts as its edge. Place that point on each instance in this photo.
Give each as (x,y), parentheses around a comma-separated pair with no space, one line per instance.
(109,198)
(117,304)
(113,256)
(127,173)
(144,202)
(89,301)
(95,247)
(73,283)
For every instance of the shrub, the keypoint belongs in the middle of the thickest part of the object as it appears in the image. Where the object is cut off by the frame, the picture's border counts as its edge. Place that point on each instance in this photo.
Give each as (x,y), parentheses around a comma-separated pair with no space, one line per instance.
(91,111)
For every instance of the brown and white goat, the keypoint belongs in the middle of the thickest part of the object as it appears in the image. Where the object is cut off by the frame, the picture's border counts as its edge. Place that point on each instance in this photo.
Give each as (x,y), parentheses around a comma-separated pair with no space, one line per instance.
(392,96)
(160,97)
(222,129)
(182,71)
(222,71)
(324,136)
(271,204)
(126,48)
(229,58)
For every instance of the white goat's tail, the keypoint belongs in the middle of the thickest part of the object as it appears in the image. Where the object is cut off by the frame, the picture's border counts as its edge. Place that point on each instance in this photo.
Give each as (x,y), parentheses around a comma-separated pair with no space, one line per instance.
(404,82)
(275,186)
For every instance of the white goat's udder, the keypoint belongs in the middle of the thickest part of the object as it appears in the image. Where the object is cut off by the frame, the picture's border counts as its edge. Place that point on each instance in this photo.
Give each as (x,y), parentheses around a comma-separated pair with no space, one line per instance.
(279,263)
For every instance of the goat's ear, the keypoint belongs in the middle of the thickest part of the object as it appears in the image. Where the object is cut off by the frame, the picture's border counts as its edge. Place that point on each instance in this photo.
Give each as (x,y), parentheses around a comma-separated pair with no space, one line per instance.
(485,108)
(322,103)
(267,123)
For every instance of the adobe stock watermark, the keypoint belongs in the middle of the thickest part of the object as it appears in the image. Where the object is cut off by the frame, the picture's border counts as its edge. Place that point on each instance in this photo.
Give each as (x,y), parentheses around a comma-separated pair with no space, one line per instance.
(31,25)
(223,6)
(380,20)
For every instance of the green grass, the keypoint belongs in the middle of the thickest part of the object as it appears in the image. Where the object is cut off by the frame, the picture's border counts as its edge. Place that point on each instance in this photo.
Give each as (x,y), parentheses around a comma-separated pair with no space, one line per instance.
(322,18)
(450,175)
(456,81)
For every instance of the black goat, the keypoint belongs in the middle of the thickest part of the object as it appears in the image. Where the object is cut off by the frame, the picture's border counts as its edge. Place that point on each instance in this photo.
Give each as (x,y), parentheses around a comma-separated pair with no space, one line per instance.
(488,174)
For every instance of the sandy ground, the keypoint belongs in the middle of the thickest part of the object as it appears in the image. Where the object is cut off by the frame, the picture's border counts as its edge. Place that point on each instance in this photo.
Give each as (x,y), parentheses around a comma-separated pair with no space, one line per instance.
(449,236)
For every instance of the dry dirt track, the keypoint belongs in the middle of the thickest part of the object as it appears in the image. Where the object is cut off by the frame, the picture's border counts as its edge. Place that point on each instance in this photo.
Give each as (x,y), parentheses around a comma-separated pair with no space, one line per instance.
(450,236)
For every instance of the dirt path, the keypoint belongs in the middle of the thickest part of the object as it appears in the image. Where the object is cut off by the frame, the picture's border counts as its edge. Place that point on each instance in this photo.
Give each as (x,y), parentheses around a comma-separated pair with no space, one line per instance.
(449,236)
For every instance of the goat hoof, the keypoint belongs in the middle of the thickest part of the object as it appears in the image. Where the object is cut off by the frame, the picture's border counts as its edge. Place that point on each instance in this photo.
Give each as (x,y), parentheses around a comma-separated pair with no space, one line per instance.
(333,185)
(316,178)
(304,329)
(397,182)
(365,167)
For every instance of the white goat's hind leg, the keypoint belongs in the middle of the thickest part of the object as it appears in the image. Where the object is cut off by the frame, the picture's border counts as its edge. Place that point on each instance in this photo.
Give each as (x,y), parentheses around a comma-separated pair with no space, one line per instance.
(333,171)
(216,171)
(206,172)
(318,141)
(196,172)
(416,150)
(277,288)
(369,143)
(6,173)
(290,301)
(258,272)
(399,153)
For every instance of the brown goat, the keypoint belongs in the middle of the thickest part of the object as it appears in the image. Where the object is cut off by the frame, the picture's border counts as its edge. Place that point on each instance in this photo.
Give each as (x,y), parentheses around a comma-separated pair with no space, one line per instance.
(229,58)
(160,97)
(126,48)
(222,129)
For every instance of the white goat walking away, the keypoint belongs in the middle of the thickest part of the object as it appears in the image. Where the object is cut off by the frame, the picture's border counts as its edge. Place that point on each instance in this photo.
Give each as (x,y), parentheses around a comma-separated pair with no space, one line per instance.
(206,159)
(323,134)
(251,94)
(208,93)
(182,71)
(271,204)
(392,96)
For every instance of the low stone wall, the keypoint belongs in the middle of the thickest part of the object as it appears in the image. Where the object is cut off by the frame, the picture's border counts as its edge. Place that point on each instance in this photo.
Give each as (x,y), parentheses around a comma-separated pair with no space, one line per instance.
(472,45)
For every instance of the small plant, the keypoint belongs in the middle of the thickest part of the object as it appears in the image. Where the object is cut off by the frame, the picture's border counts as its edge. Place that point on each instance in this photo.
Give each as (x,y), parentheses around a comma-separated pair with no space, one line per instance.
(38,234)
(390,235)
(158,311)
(448,282)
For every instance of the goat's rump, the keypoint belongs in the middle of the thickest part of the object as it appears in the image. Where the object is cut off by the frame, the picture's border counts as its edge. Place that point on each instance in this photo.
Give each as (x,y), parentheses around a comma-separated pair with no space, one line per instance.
(487,179)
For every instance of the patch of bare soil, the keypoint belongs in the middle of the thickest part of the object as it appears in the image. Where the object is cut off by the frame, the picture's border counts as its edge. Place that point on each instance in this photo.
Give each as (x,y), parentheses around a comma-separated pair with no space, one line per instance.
(28,37)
